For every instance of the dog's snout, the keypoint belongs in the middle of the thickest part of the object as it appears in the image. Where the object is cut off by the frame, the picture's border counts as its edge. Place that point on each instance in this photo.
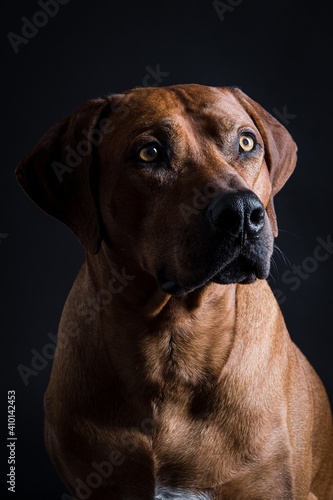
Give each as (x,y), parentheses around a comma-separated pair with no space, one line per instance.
(237,213)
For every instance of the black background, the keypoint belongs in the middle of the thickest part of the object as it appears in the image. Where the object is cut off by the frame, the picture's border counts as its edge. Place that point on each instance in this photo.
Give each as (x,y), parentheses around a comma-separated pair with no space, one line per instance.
(279,53)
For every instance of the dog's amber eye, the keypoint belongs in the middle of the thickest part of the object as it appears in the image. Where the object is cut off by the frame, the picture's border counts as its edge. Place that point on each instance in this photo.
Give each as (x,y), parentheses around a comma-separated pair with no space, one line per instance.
(246,142)
(149,153)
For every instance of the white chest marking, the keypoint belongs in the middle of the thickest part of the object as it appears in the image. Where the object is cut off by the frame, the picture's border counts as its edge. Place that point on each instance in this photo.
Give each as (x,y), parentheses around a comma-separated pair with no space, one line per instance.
(163,493)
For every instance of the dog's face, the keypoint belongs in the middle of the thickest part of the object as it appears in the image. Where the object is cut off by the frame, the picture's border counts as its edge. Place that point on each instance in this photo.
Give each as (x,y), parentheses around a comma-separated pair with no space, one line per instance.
(183,182)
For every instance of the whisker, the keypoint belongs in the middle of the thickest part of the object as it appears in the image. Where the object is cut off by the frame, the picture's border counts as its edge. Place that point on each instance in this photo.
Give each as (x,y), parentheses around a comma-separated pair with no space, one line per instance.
(275,268)
(281,254)
(288,232)
(271,276)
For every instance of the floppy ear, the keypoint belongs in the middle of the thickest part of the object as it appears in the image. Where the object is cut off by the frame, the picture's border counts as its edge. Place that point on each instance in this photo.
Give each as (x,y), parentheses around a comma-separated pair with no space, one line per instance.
(56,173)
(280,148)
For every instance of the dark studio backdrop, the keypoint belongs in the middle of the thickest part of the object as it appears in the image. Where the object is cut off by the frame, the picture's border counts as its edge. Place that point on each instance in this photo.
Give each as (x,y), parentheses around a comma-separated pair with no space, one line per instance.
(279,53)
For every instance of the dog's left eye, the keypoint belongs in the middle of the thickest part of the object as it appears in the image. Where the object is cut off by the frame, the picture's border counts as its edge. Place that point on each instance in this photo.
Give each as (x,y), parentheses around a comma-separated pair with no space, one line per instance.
(149,153)
(246,142)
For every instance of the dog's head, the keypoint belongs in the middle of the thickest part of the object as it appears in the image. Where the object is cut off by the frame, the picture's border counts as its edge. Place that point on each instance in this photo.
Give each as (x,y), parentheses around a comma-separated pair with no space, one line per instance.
(179,180)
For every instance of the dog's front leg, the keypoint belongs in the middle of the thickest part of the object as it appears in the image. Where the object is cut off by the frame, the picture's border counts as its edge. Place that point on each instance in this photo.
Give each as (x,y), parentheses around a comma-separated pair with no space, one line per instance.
(96,466)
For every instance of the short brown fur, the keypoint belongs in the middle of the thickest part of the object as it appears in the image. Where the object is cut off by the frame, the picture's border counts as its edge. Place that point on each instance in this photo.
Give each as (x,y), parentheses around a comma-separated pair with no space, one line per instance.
(202,391)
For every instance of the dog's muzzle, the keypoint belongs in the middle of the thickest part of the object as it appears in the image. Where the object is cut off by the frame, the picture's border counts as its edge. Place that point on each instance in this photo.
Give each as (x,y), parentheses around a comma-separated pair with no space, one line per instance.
(238,220)
(236,245)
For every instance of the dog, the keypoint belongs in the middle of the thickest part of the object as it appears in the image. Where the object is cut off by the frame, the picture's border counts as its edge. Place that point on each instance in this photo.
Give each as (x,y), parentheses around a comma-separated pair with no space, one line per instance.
(174,374)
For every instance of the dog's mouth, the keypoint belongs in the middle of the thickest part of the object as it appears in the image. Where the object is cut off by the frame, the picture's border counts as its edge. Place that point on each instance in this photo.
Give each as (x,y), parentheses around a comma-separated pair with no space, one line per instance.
(241,269)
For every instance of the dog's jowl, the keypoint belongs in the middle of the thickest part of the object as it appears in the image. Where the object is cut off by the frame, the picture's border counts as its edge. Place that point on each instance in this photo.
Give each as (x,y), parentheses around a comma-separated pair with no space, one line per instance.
(181,380)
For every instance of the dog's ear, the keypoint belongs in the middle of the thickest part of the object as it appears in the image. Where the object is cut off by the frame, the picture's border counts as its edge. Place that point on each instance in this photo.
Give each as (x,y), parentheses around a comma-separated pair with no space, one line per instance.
(280,148)
(56,174)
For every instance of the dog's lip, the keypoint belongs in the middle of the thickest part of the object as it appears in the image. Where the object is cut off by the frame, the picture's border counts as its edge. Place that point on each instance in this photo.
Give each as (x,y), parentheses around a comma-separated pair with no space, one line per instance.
(241,269)
(243,277)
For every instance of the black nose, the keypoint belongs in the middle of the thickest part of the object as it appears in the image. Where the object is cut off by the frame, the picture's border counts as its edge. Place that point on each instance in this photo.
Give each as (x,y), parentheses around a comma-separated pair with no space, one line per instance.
(237,213)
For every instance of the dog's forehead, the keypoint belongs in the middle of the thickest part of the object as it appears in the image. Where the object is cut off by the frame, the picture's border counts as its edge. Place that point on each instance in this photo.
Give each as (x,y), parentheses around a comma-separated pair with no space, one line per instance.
(198,102)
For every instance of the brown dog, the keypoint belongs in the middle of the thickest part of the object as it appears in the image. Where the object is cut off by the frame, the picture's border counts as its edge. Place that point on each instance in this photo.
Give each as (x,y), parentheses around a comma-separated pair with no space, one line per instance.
(175,376)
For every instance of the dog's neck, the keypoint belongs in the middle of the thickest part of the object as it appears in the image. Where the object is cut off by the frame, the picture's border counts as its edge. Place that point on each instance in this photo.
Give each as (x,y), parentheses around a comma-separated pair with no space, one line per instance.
(165,337)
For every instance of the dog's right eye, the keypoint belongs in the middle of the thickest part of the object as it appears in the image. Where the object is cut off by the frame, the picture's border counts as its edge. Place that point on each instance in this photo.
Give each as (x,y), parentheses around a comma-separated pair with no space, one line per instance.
(149,154)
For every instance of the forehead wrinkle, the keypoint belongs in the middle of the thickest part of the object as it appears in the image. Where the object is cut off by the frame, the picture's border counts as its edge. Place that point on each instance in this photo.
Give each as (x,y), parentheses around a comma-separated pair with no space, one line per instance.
(181,134)
(213,111)
(194,97)
(213,125)
(209,106)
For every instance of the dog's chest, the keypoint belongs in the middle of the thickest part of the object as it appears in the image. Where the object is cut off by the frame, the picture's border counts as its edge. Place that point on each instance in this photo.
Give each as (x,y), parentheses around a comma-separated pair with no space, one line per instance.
(181,442)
